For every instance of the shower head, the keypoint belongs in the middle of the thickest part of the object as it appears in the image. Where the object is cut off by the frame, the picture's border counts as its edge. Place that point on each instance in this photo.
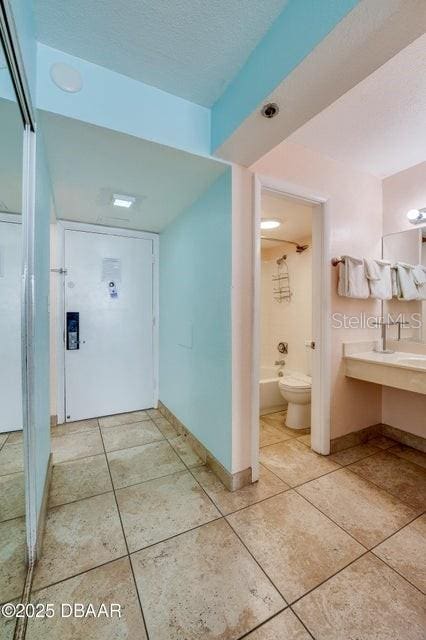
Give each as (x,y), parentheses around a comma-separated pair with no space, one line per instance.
(301,248)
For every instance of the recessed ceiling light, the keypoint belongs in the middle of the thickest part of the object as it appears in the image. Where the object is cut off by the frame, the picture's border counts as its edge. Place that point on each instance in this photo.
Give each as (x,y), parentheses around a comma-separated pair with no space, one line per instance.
(119,200)
(270,110)
(269,223)
(66,77)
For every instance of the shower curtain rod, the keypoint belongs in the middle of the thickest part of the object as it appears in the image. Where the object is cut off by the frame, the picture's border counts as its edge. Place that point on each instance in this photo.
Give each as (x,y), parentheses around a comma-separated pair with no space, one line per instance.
(286,241)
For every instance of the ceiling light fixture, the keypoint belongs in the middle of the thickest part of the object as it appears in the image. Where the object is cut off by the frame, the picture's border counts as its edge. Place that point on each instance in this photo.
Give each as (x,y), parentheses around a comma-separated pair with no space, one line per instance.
(270,110)
(119,200)
(270,223)
(66,77)
(417,216)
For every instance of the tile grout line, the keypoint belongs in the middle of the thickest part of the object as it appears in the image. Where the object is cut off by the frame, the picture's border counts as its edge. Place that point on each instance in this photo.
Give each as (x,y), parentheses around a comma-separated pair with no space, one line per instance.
(333,575)
(302,622)
(341,466)
(13,518)
(417,515)
(333,521)
(367,551)
(176,535)
(261,624)
(389,450)
(189,469)
(368,455)
(257,562)
(125,539)
(327,473)
(393,568)
(64,504)
(407,504)
(76,575)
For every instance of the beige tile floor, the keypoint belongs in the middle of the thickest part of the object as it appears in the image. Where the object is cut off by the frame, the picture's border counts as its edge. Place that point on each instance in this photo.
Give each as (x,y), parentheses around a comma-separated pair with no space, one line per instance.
(323,548)
(12,524)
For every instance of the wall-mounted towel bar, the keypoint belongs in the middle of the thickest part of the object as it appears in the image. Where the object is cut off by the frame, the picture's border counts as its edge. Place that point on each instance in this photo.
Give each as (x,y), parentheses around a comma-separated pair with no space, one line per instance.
(336,261)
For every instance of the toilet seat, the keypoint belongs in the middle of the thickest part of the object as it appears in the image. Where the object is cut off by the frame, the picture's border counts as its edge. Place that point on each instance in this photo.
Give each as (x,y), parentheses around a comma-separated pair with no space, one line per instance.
(295,382)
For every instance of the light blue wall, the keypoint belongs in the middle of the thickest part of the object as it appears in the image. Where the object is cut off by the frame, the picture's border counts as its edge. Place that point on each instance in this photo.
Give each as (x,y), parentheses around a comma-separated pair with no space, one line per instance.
(195,318)
(109,99)
(294,34)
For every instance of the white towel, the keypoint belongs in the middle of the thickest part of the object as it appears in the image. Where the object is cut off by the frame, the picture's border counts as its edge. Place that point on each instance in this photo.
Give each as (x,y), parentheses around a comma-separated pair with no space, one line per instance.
(396,289)
(379,278)
(352,279)
(406,285)
(419,274)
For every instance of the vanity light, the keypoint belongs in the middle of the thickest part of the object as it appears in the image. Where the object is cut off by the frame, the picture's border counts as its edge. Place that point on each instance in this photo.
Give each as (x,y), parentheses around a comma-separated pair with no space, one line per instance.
(417,216)
(123,201)
(269,223)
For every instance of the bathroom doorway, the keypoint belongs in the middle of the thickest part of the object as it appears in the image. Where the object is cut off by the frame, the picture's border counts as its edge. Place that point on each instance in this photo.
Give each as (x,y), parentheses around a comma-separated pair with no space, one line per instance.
(291,321)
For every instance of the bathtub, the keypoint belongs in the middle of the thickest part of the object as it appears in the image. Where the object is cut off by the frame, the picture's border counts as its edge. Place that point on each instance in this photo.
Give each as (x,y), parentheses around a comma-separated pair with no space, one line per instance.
(270,395)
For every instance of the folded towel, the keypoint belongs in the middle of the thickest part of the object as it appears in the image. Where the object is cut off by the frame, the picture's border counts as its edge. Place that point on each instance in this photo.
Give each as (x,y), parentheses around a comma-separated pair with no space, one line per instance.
(352,279)
(379,278)
(406,286)
(396,289)
(419,274)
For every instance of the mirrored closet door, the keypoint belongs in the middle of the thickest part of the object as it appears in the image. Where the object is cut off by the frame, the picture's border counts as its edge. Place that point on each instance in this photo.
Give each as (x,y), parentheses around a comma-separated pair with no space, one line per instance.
(13,566)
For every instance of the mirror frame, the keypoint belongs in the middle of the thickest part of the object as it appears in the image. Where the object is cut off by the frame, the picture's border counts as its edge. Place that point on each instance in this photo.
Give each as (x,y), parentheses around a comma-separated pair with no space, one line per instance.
(12,52)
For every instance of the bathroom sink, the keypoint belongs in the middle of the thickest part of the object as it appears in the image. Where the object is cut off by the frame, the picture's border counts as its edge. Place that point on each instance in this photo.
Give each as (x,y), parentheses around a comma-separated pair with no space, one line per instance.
(412,361)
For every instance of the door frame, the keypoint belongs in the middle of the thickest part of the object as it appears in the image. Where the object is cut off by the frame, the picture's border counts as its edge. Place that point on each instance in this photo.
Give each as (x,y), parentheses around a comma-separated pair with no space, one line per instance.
(59,313)
(321,309)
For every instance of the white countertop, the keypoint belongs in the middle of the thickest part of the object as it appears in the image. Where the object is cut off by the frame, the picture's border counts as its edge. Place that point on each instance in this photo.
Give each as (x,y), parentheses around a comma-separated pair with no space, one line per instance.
(400,359)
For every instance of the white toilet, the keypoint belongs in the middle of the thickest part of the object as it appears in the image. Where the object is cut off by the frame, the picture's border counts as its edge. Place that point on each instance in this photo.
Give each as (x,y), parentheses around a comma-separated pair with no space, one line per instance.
(296,389)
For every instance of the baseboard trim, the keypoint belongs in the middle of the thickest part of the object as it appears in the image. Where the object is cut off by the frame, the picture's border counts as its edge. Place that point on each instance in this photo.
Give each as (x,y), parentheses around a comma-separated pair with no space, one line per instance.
(409,439)
(232,481)
(363,435)
(41,524)
(354,438)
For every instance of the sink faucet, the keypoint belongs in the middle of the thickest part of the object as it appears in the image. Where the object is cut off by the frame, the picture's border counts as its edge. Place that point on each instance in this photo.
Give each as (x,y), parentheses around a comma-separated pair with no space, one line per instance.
(382,347)
(401,323)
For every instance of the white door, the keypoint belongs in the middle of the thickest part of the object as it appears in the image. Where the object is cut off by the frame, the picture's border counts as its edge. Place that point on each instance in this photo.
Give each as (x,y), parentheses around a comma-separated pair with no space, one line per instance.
(10,327)
(109,283)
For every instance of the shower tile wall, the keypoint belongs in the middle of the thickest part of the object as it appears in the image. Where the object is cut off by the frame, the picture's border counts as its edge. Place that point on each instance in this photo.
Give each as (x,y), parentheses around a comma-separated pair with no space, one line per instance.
(287,321)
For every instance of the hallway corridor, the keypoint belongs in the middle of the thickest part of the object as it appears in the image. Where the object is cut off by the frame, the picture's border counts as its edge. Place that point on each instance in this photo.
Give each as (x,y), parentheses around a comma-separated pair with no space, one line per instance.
(320,547)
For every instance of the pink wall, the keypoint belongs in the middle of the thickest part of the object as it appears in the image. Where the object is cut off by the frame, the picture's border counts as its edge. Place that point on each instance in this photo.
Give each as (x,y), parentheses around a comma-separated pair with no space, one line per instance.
(355,204)
(401,192)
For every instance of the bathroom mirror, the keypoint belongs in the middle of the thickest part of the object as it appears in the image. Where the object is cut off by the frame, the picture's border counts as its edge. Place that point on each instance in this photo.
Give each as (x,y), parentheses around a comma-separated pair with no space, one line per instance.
(410,247)
(12,502)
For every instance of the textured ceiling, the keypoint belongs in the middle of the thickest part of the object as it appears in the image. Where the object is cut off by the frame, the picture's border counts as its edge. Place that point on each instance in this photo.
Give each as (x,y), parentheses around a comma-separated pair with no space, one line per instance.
(379,126)
(191,48)
(88,164)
